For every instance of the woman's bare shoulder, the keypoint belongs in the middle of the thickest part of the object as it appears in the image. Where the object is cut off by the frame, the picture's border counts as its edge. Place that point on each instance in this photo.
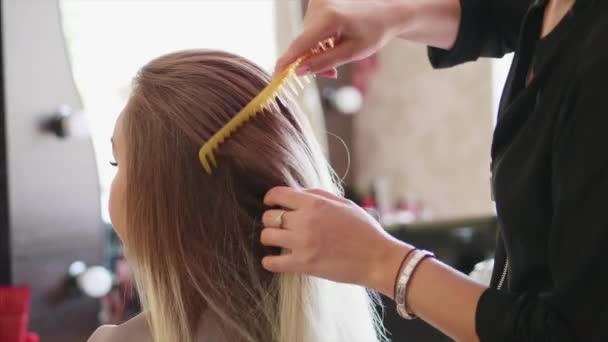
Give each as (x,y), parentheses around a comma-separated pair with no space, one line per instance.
(102,334)
(135,329)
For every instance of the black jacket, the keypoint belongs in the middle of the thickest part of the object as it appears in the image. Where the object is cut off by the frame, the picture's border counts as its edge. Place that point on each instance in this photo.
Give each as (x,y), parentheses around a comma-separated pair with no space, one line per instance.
(550,169)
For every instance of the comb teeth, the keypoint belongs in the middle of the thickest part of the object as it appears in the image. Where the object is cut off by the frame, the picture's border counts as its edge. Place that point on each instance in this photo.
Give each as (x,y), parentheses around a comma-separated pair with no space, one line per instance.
(274,105)
(285,93)
(298,82)
(285,86)
(290,82)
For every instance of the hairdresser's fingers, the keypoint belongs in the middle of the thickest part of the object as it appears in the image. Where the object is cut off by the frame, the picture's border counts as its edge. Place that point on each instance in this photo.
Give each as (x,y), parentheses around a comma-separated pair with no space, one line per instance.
(331,73)
(307,40)
(276,218)
(286,197)
(328,195)
(341,54)
(276,237)
(279,263)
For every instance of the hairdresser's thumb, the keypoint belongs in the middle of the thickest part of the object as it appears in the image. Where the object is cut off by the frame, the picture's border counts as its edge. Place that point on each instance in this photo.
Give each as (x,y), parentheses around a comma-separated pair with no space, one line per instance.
(302,44)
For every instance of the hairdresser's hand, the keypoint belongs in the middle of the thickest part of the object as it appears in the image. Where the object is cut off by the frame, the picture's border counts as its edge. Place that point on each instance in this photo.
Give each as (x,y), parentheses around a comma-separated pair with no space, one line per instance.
(329,237)
(361,28)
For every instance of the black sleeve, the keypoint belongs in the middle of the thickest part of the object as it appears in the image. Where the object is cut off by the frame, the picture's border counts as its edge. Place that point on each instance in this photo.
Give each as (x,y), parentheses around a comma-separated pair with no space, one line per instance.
(488,28)
(576,309)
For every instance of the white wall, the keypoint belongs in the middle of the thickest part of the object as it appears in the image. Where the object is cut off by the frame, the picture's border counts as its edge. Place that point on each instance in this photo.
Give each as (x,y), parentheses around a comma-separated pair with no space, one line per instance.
(53,185)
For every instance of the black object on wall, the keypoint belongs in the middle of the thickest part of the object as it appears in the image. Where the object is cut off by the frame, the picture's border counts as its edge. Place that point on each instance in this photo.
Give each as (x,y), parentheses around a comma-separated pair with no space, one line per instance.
(5,237)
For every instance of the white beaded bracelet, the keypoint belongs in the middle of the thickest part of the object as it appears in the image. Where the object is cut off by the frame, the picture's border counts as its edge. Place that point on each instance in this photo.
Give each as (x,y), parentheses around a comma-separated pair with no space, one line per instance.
(405,274)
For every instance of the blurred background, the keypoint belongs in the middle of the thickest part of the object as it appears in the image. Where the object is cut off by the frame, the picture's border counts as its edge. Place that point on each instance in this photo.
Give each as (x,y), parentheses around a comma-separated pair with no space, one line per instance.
(411,143)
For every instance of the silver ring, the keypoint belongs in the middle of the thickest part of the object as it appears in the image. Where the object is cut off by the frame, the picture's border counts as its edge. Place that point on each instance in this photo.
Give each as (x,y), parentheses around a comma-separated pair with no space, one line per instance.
(279,220)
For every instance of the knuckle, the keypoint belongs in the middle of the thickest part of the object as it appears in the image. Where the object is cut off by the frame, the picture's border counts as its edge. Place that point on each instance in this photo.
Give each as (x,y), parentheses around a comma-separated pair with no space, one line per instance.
(266,218)
(307,242)
(320,191)
(310,241)
(264,236)
(268,264)
(318,204)
(309,221)
(351,52)
(311,257)
(269,194)
(273,194)
(316,64)
(311,191)
(332,14)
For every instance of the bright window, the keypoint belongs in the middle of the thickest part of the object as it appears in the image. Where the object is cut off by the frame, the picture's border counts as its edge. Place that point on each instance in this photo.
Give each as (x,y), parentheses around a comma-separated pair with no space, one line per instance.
(108,41)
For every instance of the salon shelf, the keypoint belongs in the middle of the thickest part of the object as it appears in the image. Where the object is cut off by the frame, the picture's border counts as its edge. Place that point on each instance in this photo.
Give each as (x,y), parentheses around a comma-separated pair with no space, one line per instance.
(459,242)
(477,222)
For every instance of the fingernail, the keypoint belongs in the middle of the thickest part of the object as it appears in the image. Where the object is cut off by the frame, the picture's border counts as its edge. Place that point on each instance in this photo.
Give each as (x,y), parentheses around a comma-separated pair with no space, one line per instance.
(302,70)
(331,74)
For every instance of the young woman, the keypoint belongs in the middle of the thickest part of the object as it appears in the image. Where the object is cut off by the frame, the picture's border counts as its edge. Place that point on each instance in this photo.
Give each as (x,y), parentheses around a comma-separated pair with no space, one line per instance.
(193,238)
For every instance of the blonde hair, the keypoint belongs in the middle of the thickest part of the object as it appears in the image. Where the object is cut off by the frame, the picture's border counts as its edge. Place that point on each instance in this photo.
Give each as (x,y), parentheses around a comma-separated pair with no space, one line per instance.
(193,239)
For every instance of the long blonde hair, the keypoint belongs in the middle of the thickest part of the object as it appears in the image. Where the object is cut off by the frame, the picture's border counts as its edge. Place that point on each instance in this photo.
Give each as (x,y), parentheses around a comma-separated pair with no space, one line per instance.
(193,238)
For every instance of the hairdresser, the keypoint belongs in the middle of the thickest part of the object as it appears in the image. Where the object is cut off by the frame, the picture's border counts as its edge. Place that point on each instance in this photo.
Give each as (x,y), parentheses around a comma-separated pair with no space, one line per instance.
(549,171)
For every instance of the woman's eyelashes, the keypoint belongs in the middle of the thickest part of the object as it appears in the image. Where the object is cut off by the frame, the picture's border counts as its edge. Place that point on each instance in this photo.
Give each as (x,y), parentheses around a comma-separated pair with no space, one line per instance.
(113,163)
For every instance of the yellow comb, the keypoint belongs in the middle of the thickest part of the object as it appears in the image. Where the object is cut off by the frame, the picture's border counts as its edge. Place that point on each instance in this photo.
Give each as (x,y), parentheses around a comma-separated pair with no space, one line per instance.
(285,82)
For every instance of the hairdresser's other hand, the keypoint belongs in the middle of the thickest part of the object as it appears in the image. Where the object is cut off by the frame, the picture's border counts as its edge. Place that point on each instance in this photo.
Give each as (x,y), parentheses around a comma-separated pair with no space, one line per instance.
(329,237)
(361,27)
